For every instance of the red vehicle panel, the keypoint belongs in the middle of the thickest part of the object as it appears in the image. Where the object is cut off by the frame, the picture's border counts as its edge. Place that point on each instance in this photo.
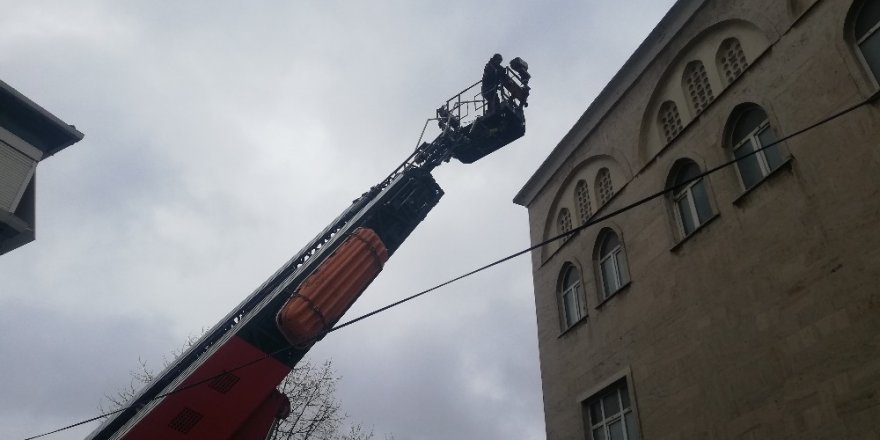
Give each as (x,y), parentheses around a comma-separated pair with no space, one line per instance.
(219,407)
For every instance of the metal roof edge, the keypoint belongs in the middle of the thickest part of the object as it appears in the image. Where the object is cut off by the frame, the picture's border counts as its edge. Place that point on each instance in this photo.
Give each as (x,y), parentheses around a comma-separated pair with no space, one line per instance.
(70,132)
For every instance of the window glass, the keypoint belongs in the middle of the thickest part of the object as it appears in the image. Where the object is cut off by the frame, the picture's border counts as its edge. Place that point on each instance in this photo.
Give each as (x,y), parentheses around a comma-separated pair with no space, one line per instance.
(609,278)
(617,421)
(571,307)
(701,200)
(868,35)
(748,122)
(622,269)
(615,431)
(595,413)
(570,279)
(572,303)
(774,158)
(611,404)
(612,264)
(684,214)
(611,242)
(752,133)
(870,48)
(869,15)
(749,168)
(631,432)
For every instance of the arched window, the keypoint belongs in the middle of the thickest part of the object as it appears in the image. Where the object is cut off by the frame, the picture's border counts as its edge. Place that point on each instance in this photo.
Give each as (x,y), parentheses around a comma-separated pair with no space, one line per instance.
(604,187)
(670,120)
(613,270)
(563,222)
(697,84)
(690,199)
(572,304)
(752,132)
(582,197)
(731,59)
(867,35)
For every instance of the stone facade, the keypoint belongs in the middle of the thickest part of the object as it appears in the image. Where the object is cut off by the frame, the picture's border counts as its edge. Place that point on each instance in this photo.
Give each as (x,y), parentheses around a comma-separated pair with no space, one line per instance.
(746,303)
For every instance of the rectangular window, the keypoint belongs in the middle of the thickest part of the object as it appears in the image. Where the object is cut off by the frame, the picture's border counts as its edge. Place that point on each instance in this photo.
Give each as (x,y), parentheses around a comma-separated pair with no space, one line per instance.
(609,415)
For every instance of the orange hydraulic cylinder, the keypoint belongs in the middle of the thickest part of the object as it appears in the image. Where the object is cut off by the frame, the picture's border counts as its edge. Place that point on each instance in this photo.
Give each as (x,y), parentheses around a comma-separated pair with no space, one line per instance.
(332,288)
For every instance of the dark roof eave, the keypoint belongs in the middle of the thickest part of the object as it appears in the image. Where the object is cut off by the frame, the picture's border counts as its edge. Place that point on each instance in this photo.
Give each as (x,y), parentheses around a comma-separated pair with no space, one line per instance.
(65,134)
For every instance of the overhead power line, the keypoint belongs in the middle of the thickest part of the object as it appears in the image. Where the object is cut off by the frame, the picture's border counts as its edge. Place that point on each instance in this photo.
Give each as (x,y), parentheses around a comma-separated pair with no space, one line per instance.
(591,222)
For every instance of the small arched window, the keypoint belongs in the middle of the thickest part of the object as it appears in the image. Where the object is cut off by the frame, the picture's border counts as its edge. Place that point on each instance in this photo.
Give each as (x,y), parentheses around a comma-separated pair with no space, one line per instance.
(604,187)
(670,119)
(731,59)
(690,198)
(572,303)
(867,33)
(563,222)
(613,270)
(582,197)
(753,142)
(697,84)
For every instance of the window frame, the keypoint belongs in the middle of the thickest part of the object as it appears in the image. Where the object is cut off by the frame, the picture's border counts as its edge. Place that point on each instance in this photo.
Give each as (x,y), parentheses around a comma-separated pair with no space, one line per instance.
(753,138)
(613,258)
(626,414)
(686,195)
(577,291)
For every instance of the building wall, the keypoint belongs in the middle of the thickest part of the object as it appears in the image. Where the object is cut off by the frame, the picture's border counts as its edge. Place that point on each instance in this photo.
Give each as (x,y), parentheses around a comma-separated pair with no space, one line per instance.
(764,322)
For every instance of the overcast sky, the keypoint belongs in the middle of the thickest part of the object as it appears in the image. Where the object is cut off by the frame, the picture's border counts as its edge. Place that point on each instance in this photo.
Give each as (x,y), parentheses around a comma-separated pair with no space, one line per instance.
(221,136)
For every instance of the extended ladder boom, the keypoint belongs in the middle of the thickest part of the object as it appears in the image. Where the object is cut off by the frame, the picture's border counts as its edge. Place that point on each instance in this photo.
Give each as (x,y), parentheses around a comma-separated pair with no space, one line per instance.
(224,385)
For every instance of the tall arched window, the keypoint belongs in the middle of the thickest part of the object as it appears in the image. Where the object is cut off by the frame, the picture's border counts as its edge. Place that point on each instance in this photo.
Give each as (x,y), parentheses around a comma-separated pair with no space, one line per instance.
(563,222)
(572,303)
(613,270)
(670,119)
(751,132)
(690,199)
(604,187)
(582,197)
(731,59)
(867,33)
(697,84)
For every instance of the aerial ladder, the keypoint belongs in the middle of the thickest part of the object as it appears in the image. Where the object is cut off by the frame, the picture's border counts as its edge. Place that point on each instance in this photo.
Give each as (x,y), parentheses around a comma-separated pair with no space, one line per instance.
(224,385)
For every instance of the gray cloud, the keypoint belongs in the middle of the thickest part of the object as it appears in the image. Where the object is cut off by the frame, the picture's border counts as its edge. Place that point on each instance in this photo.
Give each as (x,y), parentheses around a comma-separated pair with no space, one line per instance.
(221,137)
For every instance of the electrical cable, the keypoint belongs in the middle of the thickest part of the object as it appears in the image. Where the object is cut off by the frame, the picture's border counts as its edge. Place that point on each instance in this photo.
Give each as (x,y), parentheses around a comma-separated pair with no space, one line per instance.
(569,233)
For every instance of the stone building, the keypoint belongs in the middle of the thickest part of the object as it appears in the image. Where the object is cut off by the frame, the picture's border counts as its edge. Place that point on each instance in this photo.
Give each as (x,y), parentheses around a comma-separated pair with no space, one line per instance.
(28,134)
(743,304)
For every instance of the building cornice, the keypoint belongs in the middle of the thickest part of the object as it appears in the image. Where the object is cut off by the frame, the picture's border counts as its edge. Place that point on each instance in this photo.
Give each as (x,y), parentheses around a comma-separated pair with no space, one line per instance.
(668,27)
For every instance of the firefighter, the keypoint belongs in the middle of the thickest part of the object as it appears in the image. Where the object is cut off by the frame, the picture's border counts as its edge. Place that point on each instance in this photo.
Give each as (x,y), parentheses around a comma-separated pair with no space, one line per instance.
(493,74)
